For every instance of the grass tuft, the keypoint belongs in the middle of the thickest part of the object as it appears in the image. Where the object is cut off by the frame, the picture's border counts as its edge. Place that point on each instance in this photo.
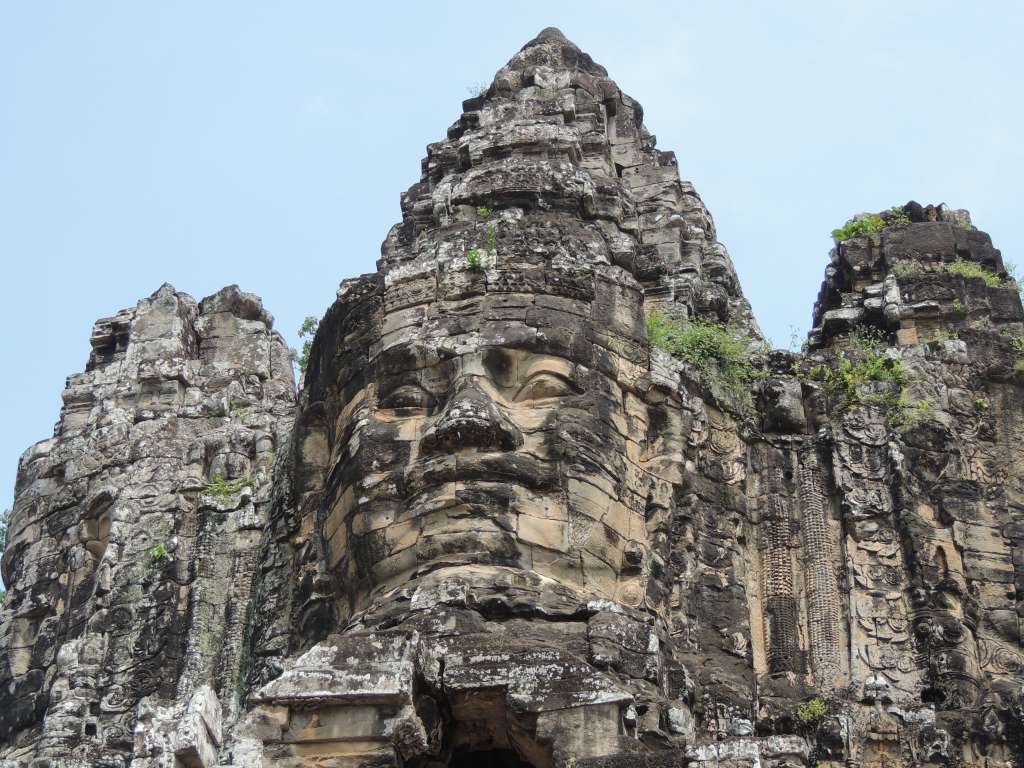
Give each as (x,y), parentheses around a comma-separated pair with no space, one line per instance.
(720,353)
(219,488)
(847,382)
(967,269)
(869,225)
(811,711)
(158,554)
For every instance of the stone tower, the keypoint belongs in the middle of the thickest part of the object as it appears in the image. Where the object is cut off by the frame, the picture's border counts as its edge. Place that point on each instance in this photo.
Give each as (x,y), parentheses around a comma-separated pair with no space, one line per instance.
(544,498)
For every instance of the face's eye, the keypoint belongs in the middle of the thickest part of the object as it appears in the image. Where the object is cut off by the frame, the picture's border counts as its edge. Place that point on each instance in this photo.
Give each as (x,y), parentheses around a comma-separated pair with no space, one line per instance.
(544,385)
(408,396)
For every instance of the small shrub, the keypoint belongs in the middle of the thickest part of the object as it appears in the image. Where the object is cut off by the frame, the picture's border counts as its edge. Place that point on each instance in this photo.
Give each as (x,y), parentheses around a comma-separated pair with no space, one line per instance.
(943,334)
(478,89)
(844,383)
(158,555)
(811,712)
(1017,343)
(1014,276)
(797,340)
(872,224)
(957,305)
(219,488)
(869,225)
(896,217)
(968,269)
(907,416)
(720,353)
(306,332)
(906,269)
(483,211)
(475,256)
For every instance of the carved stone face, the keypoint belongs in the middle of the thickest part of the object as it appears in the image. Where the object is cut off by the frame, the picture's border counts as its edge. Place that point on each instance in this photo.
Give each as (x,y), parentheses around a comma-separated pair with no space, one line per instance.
(499,452)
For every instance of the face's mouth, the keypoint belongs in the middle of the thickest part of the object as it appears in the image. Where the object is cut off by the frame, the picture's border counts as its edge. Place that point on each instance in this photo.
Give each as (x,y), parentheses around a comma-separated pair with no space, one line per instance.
(482,470)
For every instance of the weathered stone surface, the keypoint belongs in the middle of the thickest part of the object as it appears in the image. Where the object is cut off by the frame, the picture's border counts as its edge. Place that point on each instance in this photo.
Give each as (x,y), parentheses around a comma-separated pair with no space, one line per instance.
(131,581)
(497,527)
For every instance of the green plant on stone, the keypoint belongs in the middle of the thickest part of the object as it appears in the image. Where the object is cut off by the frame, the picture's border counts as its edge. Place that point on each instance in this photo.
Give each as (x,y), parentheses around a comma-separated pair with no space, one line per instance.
(307,331)
(896,217)
(943,334)
(869,225)
(909,415)
(483,211)
(220,488)
(969,269)
(797,340)
(478,89)
(847,382)
(158,555)
(1014,277)
(906,269)
(872,224)
(958,305)
(1017,343)
(475,256)
(811,712)
(720,353)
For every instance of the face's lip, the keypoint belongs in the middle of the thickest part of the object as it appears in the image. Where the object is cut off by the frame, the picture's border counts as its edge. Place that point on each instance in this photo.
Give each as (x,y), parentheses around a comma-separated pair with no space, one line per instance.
(500,468)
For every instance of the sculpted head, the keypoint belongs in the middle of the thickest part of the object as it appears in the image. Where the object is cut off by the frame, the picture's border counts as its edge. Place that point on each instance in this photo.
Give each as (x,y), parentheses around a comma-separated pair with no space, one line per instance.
(496,421)
(484,403)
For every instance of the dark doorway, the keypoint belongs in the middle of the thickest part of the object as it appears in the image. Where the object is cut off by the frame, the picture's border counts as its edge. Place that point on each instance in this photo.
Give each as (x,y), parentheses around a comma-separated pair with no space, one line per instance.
(494,758)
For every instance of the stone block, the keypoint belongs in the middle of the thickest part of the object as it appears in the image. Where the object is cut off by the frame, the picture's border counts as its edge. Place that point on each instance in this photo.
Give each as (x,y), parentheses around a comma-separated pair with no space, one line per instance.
(373,667)
(198,735)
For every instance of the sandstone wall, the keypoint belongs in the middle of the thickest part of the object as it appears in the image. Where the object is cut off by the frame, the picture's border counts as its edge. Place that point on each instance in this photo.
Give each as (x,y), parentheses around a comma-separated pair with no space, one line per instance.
(497,526)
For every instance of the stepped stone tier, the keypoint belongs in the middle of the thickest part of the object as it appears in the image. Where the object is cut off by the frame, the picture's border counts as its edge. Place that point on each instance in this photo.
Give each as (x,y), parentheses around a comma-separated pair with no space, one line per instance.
(496,526)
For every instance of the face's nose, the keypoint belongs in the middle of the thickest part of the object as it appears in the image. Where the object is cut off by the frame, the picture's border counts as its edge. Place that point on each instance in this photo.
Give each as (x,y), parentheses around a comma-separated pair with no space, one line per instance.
(471,420)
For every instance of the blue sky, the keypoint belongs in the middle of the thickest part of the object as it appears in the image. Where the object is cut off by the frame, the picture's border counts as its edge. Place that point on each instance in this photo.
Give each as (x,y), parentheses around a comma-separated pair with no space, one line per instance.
(266,143)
